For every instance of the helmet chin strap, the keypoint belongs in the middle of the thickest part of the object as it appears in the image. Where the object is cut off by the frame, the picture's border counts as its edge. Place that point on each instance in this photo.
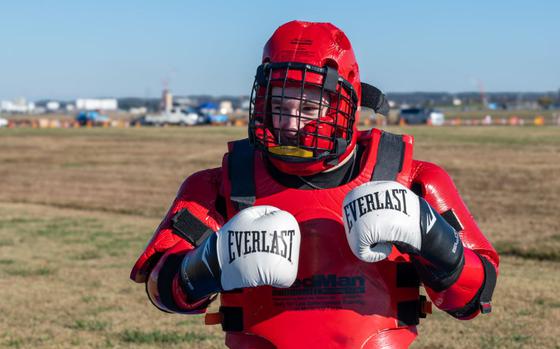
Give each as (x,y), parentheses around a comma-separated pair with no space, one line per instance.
(344,161)
(340,148)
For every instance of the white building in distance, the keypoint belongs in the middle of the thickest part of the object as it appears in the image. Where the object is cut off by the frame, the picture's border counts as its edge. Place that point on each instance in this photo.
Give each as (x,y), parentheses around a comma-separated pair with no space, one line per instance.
(19,105)
(96,104)
(53,106)
(226,107)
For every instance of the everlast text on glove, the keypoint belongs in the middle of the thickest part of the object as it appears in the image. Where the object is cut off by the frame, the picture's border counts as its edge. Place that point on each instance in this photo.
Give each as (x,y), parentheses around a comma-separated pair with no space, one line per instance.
(394,199)
(242,243)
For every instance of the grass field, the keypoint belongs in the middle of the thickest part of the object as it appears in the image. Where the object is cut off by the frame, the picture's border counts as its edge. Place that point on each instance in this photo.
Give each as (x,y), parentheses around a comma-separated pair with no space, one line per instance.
(78,205)
(527,115)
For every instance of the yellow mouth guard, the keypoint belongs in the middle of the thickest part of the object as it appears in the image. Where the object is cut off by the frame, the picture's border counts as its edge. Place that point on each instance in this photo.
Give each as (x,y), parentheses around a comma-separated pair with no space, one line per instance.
(290,150)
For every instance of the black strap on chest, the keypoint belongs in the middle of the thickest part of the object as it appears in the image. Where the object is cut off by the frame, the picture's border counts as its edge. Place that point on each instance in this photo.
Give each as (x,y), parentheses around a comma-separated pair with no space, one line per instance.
(241,174)
(390,156)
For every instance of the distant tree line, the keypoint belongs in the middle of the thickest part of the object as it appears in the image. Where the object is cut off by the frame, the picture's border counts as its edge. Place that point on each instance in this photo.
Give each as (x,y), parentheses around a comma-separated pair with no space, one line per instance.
(502,99)
(427,99)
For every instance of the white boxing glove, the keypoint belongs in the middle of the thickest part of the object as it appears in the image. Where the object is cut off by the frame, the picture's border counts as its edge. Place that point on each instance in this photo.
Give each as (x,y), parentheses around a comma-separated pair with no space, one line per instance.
(258,246)
(380,214)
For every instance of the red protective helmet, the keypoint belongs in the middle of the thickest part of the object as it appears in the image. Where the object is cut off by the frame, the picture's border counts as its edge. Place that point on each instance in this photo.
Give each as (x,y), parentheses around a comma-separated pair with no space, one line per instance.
(305,98)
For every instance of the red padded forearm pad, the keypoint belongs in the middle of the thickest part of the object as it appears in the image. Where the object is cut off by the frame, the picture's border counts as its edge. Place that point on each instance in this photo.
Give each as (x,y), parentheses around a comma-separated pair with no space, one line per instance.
(439,191)
(464,289)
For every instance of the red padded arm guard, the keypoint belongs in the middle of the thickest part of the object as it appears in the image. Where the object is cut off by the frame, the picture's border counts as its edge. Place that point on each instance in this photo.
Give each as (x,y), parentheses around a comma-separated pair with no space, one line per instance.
(163,287)
(197,194)
(437,188)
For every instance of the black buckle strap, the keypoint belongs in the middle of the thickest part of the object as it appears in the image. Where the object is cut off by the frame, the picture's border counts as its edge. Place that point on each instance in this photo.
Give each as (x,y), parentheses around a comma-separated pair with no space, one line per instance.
(241,174)
(187,226)
(331,79)
(482,300)
(390,156)
(409,313)
(232,319)
(488,287)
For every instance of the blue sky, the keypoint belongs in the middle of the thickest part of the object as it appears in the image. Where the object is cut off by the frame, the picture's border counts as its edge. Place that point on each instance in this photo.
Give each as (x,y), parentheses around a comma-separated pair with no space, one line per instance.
(67,49)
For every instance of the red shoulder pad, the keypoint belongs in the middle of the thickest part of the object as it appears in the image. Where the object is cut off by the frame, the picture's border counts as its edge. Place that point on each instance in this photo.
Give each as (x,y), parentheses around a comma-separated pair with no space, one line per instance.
(440,192)
(198,194)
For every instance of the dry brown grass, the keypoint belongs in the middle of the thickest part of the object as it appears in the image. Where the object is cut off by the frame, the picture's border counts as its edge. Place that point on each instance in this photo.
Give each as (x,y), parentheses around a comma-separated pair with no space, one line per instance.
(77,206)
(508,177)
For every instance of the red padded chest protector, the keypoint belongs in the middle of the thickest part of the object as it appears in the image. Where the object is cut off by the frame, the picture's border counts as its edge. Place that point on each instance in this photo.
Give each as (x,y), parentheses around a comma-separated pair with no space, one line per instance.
(337,300)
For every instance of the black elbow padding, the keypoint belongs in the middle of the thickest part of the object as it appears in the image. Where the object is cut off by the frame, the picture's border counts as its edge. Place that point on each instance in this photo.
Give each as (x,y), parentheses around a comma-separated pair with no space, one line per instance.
(483,298)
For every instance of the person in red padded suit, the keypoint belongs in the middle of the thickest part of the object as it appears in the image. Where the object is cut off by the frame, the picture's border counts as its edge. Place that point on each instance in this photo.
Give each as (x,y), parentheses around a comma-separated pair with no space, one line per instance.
(315,234)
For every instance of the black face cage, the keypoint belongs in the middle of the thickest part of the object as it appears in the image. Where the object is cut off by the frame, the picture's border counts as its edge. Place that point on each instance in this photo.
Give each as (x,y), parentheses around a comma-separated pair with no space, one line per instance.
(340,113)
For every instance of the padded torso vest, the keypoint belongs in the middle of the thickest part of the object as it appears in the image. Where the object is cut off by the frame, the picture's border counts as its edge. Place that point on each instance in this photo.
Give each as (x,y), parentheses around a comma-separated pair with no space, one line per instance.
(337,300)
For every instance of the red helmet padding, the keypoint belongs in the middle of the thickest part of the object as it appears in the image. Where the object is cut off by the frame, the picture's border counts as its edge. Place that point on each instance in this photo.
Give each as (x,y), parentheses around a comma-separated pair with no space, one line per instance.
(319,44)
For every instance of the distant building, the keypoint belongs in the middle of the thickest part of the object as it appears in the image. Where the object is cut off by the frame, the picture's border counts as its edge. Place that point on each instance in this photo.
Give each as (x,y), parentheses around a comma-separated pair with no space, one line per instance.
(19,105)
(106,104)
(53,106)
(166,101)
(138,111)
(184,102)
(226,107)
